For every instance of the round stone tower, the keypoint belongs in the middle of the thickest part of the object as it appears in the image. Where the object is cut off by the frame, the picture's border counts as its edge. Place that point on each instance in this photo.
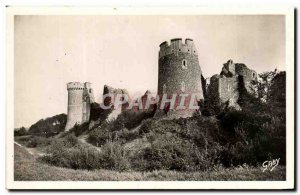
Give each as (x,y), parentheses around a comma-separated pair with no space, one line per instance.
(179,73)
(75,104)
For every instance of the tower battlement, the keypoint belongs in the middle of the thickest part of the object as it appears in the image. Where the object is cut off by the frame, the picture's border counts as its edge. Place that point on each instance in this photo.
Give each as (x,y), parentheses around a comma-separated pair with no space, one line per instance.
(177,46)
(75,86)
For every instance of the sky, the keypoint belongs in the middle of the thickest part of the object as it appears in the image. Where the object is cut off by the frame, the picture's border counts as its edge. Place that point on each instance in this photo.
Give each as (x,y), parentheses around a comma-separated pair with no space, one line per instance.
(122,51)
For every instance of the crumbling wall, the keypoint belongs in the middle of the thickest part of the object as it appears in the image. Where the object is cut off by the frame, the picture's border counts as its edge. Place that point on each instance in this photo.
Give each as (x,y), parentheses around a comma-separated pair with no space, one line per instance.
(224,90)
(110,101)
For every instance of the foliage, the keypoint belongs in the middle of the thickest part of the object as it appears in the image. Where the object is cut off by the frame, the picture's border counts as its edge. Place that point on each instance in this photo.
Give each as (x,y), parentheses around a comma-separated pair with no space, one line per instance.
(26,168)
(79,129)
(35,141)
(264,84)
(20,132)
(68,152)
(114,157)
(100,135)
(200,143)
(49,126)
(133,118)
(121,129)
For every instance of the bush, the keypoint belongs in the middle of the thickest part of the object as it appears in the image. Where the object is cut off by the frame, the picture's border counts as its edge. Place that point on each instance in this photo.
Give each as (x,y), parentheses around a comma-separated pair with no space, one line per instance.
(20,132)
(77,157)
(66,153)
(114,157)
(79,129)
(113,130)
(36,141)
(134,118)
(254,138)
(49,126)
(124,135)
(100,135)
(170,152)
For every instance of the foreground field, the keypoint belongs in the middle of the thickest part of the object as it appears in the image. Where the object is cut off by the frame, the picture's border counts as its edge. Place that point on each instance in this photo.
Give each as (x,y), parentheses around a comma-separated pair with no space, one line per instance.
(26,168)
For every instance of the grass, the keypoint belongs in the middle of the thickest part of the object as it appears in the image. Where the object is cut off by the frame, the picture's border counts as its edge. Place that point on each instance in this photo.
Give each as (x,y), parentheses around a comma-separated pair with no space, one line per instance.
(27,168)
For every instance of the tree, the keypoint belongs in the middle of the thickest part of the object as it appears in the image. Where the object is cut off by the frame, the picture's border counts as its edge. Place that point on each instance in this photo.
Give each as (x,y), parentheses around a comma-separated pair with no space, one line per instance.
(263,85)
(20,132)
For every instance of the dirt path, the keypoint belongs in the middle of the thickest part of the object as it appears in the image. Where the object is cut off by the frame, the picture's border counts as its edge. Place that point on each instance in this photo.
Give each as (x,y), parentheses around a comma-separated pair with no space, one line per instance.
(82,139)
(33,151)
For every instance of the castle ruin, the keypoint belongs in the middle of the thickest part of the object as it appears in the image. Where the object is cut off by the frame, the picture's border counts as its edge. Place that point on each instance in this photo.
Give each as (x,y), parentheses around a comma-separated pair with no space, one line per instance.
(224,90)
(179,73)
(80,97)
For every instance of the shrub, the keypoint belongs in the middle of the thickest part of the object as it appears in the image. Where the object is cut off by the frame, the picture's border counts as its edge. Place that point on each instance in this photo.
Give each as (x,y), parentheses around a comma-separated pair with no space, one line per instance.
(77,157)
(20,132)
(64,153)
(170,152)
(68,141)
(79,129)
(114,157)
(52,126)
(113,130)
(124,135)
(36,141)
(100,135)
(255,138)
(134,118)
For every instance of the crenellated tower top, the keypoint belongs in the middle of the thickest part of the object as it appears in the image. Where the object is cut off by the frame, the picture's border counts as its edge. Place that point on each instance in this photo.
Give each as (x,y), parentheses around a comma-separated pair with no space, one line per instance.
(176,46)
(75,86)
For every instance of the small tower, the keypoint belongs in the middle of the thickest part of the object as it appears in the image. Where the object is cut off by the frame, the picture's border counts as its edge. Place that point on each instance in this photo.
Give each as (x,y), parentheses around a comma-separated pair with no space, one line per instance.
(89,91)
(179,73)
(80,96)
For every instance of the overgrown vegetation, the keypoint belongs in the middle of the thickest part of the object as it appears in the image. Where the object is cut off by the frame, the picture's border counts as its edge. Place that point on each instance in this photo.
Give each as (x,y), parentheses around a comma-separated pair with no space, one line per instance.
(122,129)
(49,126)
(20,132)
(26,168)
(200,143)
(34,141)
(68,152)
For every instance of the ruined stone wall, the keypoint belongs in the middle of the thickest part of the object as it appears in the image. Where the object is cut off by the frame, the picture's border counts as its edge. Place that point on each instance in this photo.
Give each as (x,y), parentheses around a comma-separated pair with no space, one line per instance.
(179,72)
(243,70)
(89,91)
(110,101)
(88,99)
(228,88)
(224,90)
(248,76)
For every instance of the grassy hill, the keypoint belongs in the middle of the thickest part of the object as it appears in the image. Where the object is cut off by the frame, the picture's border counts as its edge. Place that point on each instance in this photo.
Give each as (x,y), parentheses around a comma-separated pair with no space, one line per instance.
(27,168)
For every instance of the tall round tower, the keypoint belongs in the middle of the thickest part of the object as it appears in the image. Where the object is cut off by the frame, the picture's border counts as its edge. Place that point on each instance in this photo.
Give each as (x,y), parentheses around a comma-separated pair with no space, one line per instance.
(75,104)
(179,73)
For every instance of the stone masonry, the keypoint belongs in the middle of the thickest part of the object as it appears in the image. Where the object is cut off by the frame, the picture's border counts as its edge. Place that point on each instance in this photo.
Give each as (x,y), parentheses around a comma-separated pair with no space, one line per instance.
(224,89)
(179,72)
(80,97)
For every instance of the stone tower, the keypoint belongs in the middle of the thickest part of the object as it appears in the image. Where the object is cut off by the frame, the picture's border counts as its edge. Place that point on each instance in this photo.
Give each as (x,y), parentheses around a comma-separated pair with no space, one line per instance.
(179,73)
(80,97)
